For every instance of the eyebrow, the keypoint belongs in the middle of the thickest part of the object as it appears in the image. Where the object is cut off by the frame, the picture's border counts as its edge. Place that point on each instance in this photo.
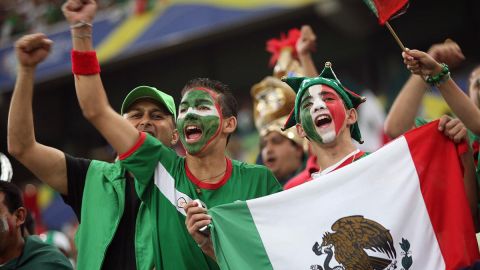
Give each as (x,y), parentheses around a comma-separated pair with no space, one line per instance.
(203,100)
(305,97)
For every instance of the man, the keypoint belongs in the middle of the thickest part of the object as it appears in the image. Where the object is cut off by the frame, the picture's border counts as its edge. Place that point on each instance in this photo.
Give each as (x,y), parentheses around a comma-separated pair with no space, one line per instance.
(116,235)
(325,113)
(17,251)
(166,182)
(281,151)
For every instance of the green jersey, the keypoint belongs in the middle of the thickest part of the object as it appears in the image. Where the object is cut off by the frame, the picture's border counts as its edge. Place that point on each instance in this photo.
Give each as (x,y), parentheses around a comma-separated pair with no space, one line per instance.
(165,184)
(38,255)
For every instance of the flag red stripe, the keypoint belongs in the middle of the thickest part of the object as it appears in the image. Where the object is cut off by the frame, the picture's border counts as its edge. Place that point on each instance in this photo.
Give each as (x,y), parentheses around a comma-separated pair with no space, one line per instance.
(387,8)
(436,157)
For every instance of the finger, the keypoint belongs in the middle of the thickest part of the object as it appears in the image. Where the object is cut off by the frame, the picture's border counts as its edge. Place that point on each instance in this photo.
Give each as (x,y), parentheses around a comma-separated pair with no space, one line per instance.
(416,54)
(443,121)
(452,123)
(460,136)
(453,131)
(33,42)
(193,210)
(189,205)
(197,218)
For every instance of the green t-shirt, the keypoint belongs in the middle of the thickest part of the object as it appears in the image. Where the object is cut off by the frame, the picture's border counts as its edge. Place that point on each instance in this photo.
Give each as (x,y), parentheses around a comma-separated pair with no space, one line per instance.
(38,255)
(164,183)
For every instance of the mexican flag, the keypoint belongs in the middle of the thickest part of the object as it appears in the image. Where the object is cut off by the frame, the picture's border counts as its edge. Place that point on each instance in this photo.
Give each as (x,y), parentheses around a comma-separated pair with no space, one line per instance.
(387,9)
(402,207)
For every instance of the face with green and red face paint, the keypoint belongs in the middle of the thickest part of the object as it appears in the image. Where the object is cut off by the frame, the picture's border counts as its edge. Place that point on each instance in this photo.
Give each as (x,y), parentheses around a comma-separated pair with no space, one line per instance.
(199,119)
(322,114)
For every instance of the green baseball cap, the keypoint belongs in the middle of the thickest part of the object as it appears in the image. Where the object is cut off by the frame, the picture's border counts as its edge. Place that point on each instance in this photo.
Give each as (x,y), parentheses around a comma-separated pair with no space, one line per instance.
(150,92)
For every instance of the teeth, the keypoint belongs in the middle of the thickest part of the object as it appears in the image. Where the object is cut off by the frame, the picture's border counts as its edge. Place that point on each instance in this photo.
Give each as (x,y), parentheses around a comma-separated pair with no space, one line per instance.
(191,128)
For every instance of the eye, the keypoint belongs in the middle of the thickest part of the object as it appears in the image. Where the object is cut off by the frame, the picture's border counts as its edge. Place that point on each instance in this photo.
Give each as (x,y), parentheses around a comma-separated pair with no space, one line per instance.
(158,116)
(182,110)
(307,105)
(135,116)
(203,108)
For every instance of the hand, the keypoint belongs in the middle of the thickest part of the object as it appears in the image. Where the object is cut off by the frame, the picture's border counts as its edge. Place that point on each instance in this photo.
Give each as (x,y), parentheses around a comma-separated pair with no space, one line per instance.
(474,86)
(448,52)
(420,63)
(197,218)
(32,49)
(307,41)
(453,128)
(79,10)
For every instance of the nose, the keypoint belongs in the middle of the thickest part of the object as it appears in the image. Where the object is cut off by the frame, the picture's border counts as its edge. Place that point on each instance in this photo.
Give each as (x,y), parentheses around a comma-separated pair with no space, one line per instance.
(319,106)
(145,121)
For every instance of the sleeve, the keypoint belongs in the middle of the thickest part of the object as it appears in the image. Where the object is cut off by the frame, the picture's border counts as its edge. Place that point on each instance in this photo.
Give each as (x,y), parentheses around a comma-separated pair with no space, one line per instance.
(273,186)
(420,121)
(143,158)
(76,176)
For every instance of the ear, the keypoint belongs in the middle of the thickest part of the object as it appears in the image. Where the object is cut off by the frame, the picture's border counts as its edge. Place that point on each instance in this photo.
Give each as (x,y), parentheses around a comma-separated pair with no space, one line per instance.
(174,137)
(352,117)
(229,124)
(300,131)
(21,215)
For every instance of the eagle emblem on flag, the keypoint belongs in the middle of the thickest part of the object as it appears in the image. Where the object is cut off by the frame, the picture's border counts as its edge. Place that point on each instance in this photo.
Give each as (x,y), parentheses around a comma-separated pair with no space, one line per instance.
(352,236)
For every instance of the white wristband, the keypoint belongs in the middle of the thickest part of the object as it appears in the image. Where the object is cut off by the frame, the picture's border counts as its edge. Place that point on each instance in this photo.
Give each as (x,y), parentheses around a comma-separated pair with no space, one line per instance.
(80,24)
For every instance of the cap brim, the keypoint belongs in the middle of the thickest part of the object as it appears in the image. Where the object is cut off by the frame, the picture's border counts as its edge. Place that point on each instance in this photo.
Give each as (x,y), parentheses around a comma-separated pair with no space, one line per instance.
(146,92)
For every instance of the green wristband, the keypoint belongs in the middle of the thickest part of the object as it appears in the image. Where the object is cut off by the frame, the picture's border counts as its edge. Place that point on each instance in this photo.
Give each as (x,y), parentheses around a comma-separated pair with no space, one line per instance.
(439,78)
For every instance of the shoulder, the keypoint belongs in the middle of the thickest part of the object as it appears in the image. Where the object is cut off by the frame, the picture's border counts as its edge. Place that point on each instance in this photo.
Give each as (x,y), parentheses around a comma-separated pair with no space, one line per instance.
(39,254)
(244,167)
(299,179)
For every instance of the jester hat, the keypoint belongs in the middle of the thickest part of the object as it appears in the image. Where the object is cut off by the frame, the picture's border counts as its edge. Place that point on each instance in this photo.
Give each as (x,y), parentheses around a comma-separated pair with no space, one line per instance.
(327,77)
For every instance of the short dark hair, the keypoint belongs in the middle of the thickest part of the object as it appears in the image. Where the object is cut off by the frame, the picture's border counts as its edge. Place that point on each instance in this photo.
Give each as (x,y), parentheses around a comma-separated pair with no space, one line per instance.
(227,101)
(13,196)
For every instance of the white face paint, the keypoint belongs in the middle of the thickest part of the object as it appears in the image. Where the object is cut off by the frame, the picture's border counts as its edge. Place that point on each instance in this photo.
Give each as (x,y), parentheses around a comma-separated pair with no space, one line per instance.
(4,225)
(207,111)
(320,110)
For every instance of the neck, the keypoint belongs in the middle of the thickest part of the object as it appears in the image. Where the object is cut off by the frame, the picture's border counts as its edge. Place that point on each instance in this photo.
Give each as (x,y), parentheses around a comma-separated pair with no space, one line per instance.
(329,154)
(208,168)
(13,250)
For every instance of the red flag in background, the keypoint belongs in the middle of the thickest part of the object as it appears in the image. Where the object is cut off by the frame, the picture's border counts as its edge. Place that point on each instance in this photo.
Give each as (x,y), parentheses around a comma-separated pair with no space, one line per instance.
(387,9)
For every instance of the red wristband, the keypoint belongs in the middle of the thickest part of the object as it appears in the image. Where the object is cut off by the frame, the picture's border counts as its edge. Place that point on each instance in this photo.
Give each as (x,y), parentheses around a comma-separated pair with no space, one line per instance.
(85,63)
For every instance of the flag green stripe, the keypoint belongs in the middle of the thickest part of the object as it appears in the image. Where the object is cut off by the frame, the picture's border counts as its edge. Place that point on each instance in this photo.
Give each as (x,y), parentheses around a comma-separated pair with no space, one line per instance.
(236,232)
(371,6)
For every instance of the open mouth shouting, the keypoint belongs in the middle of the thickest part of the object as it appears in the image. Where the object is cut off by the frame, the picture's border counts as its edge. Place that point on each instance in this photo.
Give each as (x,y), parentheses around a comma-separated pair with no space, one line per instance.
(192,133)
(269,161)
(323,121)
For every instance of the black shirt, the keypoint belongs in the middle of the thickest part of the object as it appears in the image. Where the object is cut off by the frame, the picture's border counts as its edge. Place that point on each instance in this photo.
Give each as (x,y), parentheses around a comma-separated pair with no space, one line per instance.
(121,251)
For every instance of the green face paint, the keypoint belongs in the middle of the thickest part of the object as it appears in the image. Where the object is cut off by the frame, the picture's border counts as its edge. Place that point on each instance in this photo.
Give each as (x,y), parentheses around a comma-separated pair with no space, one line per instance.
(198,120)
(321,113)
(307,120)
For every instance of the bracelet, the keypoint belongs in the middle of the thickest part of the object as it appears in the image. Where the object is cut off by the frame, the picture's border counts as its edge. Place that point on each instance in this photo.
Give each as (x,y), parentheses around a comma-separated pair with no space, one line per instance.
(203,243)
(82,36)
(80,24)
(85,63)
(439,78)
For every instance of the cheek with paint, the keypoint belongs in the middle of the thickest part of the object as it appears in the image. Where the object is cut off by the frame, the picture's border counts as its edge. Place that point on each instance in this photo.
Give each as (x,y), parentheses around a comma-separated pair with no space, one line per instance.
(339,114)
(308,125)
(198,125)
(4,227)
